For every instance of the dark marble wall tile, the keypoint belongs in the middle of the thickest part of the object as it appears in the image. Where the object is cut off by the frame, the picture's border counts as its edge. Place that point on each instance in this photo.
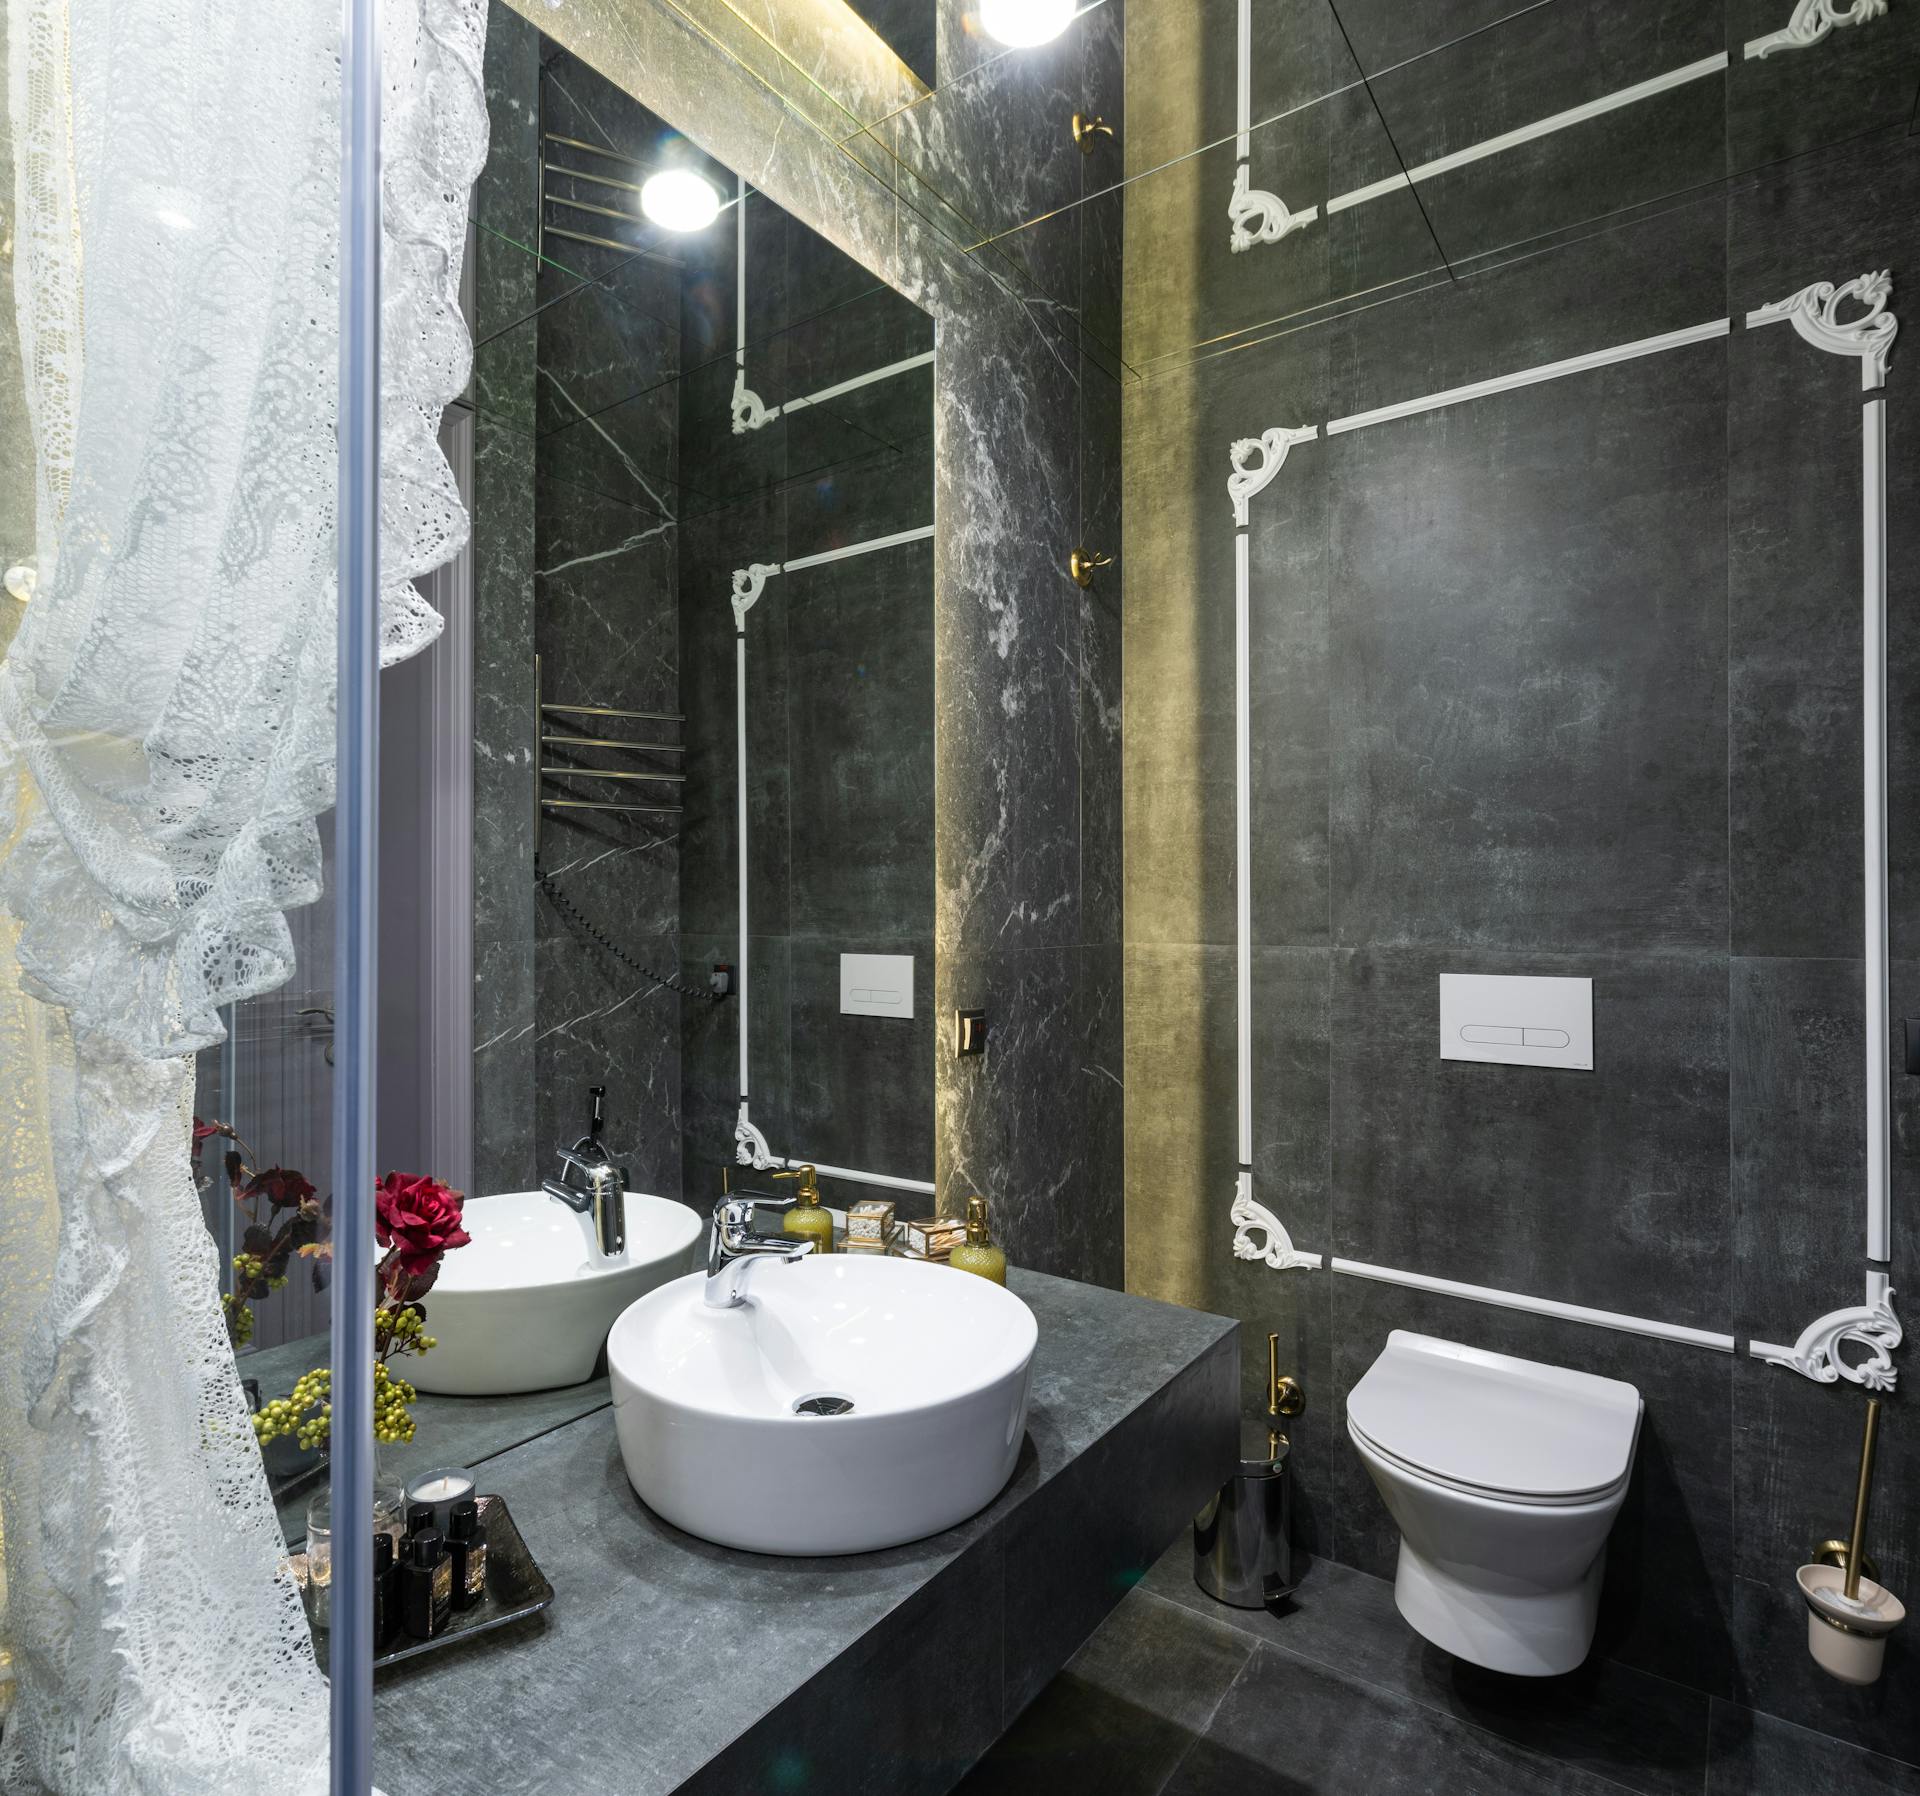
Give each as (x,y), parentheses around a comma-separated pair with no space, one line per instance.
(1606,1188)
(1786,104)
(1537,63)
(1795,598)
(1528,667)
(859,1089)
(602,1023)
(504,995)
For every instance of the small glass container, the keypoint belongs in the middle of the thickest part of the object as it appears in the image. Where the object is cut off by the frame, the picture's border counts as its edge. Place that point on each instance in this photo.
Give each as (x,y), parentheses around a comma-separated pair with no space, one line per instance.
(318,1589)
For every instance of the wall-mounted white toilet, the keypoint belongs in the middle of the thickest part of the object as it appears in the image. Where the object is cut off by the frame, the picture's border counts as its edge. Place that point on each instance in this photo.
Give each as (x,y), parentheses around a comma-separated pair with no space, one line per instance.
(1504,1477)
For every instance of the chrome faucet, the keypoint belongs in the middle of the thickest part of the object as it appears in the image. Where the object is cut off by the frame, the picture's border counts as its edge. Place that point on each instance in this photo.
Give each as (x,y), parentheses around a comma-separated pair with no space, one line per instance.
(589,1182)
(734,1246)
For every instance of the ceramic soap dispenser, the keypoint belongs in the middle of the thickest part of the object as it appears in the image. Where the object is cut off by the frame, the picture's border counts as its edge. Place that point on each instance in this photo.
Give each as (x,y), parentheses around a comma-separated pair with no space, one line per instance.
(977,1253)
(809,1219)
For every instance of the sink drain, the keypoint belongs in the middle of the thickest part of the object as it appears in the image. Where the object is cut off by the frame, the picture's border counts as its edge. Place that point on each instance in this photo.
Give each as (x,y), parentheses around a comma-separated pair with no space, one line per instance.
(822,1405)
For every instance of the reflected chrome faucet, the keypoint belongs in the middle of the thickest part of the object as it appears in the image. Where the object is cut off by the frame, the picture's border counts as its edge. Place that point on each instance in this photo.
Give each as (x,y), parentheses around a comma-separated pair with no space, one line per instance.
(589,1182)
(734,1246)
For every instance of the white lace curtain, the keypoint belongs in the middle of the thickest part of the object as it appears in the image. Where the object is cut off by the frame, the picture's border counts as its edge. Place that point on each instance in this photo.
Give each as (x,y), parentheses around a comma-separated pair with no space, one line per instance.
(166,741)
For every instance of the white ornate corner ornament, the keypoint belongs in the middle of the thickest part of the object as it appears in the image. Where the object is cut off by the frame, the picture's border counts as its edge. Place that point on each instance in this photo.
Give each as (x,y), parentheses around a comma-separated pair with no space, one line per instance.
(1252,1219)
(1811,21)
(1814,313)
(748,584)
(1260,217)
(1871,1325)
(750,412)
(749,1145)
(1271,446)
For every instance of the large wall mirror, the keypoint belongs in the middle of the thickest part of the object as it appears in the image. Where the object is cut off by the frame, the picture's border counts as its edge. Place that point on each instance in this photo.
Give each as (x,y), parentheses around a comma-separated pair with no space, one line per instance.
(724,426)
(699,452)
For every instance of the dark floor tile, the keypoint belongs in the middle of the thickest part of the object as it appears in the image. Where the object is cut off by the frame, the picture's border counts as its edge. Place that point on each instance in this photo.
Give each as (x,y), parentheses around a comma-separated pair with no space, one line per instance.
(1645,1733)
(1288,1726)
(1761,1755)
(1124,1711)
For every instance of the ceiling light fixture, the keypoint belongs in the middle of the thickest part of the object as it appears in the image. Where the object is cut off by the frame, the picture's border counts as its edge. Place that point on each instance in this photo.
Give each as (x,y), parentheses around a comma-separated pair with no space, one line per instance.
(677,199)
(1020,24)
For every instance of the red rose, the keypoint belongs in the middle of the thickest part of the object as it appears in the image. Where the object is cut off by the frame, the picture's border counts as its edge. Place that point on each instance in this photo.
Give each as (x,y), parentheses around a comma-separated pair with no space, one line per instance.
(419,1219)
(281,1186)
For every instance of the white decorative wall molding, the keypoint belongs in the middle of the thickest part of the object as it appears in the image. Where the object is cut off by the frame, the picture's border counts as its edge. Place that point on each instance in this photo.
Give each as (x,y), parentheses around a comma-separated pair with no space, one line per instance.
(1253,215)
(750,412)
(751,1147)
(1811,21)
(748,584)
(1257,216)
(1814,312)
(1531,133)
(1275,1247)
(1816,1354)
(1250,477)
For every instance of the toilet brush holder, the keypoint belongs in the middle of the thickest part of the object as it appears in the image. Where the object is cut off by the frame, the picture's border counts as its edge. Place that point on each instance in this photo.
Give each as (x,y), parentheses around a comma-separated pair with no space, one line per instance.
(1849,1614)
(1848,1635)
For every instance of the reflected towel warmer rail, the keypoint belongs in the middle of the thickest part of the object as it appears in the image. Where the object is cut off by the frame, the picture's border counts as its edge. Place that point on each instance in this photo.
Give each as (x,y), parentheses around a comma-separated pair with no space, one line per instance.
(545,770)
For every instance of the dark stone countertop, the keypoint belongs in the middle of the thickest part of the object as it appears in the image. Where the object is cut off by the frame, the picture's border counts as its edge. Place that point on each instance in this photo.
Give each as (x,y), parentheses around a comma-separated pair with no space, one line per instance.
(661,1650)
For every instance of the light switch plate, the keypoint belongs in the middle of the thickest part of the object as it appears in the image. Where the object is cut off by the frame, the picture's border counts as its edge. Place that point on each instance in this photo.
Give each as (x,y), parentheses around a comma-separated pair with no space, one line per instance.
(1517,1020)
(876,985)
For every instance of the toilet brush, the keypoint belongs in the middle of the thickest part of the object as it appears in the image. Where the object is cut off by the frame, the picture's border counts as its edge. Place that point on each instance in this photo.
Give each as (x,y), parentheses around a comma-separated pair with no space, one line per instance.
(1849,1615)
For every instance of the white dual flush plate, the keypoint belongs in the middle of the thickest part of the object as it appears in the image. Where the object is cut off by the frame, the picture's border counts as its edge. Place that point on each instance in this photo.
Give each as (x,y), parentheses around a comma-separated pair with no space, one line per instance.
(876,985)
(1517,1020)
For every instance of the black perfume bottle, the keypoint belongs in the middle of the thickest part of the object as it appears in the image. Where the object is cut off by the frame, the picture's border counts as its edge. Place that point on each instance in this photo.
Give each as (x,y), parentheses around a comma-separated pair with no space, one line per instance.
(420,1518)
(383,1599)
(426,1586)
(467,1548)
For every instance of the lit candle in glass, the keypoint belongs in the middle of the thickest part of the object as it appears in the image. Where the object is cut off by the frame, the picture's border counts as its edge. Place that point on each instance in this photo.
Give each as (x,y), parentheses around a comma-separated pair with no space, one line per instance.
(442,1487)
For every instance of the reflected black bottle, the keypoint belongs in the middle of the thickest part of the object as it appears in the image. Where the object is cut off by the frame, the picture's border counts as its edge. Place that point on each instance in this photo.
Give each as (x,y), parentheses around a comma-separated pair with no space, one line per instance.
(426,1586)
(467,1548)
(383,1599)
(420,1518)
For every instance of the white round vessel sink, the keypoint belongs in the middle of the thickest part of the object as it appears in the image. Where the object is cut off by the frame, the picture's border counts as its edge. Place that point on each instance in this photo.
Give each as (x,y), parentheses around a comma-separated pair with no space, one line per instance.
(526,1304)
(849,1403)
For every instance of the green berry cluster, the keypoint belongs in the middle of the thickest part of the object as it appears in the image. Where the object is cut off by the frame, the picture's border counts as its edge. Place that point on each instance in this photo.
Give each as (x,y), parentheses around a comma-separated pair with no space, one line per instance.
(239,1320)
(400,1331)
(306,1415)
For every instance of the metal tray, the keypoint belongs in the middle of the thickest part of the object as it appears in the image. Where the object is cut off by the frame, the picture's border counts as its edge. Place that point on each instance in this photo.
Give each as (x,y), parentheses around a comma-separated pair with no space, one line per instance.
(516,1588)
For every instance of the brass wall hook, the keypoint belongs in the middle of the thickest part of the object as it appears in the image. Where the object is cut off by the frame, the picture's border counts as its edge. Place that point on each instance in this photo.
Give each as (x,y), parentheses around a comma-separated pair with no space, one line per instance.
(1081,564)
(1086,129)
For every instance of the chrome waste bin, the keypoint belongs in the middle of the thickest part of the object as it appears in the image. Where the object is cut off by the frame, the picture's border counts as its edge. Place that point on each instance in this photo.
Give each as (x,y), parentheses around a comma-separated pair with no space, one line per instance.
(1242,1545)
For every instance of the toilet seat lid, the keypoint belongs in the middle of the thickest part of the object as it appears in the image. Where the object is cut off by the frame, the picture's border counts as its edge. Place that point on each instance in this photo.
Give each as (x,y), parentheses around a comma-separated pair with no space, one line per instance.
(1496,1423)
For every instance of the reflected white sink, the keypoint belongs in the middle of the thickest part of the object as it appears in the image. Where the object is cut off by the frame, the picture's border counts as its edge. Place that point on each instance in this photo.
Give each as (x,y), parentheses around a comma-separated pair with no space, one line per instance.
(936,1364)
(526,1304)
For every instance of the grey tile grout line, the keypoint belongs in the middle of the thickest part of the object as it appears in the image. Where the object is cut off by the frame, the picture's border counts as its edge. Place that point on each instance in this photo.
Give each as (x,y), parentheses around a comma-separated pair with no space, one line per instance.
(1544,1759)
(1206,1727)
(1303,1657)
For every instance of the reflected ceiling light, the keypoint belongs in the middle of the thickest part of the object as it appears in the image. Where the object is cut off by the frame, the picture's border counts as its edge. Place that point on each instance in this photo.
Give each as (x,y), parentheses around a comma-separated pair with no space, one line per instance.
(677,199)
(1020,24)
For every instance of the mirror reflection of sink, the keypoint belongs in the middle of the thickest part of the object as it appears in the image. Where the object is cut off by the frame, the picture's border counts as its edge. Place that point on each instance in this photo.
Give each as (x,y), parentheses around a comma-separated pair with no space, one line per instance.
(850,1403)
(527,1303)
